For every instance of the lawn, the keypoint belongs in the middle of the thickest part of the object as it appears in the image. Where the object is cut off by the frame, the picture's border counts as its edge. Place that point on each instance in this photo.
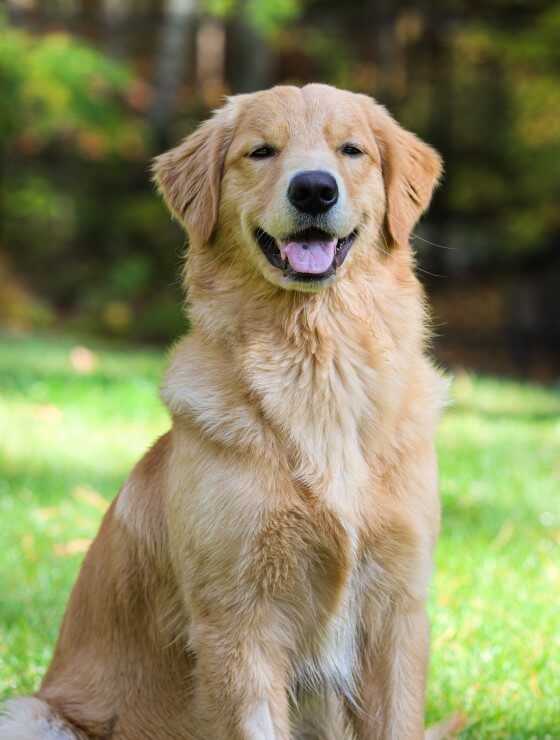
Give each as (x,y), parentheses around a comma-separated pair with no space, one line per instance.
(72,424)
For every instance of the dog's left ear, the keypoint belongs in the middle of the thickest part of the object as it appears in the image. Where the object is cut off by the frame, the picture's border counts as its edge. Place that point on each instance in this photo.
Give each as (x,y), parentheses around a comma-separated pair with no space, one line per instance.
(411,170)
(189,176)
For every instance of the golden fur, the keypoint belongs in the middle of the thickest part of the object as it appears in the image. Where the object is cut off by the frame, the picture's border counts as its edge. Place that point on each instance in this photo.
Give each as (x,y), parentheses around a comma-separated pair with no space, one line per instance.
(263,572)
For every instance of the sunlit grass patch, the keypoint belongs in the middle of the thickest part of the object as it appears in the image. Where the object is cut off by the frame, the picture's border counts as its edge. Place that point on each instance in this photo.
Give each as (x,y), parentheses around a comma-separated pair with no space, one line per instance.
(69,435)
(495,626)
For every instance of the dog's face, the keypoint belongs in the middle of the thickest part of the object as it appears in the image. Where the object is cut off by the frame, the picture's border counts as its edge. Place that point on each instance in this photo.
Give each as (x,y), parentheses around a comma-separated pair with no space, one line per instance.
(298,181)
(303,172)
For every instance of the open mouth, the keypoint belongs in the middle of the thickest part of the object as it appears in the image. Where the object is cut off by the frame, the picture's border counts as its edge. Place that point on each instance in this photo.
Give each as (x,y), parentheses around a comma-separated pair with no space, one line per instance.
(311,255)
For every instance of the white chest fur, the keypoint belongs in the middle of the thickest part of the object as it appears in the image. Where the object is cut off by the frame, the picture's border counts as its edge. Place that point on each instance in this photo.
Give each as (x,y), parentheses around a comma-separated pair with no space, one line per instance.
(330,655)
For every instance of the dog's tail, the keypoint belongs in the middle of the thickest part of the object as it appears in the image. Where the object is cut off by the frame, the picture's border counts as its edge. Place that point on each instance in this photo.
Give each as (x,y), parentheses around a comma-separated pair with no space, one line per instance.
(30,718)
(447,728)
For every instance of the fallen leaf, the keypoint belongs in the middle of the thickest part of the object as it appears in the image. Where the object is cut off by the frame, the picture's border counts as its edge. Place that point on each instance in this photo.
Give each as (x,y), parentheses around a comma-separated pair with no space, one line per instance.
(72,548)
(83,360)
(534,685)
(87,495)
(48,413)
(504,535)
(448,727)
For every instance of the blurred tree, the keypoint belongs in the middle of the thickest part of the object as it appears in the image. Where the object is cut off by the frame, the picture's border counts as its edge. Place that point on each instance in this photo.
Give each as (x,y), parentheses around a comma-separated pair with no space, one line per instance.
(79,125)
(507,125)
(75,147)
(253,26)
(172,55)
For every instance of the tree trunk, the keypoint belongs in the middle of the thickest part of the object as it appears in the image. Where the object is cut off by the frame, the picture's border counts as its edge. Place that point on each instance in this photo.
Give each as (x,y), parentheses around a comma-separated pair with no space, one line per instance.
(170,64)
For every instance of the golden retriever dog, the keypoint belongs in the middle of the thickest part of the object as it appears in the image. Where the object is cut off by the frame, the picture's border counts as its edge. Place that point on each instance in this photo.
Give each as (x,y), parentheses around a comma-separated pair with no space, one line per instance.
(262,574)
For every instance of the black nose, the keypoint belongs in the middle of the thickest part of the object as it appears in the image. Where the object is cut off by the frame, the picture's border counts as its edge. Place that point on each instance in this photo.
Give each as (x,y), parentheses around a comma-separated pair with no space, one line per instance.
(313,192)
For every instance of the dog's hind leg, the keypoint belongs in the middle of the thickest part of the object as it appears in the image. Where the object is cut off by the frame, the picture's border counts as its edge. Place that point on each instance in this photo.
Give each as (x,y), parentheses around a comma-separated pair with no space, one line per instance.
(30,718)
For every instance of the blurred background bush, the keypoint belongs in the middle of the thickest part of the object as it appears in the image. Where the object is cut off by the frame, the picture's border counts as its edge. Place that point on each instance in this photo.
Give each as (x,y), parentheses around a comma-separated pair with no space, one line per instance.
(90,90)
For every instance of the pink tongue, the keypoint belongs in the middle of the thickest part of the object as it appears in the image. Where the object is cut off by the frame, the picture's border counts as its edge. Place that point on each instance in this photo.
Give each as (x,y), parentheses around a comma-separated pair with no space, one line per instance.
(312,257)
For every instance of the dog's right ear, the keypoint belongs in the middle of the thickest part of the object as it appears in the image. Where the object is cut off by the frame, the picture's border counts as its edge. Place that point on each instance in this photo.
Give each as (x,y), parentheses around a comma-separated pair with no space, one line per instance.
(189,176)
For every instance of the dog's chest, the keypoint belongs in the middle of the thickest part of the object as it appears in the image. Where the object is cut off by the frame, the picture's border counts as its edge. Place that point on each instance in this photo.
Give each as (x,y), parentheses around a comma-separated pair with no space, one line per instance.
(331,645)
(329,429)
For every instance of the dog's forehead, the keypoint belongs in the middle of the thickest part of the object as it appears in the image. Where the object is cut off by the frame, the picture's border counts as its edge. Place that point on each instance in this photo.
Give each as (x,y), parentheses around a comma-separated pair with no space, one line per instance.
(289,111)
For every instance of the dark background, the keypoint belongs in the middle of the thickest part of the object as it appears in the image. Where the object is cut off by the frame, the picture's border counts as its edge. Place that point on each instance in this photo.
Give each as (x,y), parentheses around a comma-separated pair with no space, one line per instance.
(91,90)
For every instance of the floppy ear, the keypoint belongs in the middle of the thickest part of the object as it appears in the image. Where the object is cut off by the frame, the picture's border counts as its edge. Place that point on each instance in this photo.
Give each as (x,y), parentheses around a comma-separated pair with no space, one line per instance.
(411,170)
(189,176)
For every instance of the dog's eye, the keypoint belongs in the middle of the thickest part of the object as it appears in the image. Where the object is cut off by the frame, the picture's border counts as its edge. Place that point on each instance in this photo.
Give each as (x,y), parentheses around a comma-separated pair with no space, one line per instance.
(351,150)
(262,152)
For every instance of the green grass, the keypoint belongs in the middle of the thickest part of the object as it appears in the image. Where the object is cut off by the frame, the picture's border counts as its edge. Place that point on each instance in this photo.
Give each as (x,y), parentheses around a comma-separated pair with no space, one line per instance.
(67,441)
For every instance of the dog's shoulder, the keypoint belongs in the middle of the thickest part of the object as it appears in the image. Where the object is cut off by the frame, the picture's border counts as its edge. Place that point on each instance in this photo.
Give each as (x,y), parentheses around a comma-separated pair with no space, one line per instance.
(139,507)
(202,387)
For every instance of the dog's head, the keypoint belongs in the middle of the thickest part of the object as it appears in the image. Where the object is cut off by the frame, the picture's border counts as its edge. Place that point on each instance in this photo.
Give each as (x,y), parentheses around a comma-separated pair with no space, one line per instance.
(297,181)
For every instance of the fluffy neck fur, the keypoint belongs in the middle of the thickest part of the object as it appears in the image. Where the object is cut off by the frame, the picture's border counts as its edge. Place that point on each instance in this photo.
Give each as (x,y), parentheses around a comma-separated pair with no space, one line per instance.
(229,298)
(312,374)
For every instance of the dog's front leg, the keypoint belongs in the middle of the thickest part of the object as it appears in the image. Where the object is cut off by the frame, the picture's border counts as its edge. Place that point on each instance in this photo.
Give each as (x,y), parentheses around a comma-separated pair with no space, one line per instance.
(241,688)
(393,680)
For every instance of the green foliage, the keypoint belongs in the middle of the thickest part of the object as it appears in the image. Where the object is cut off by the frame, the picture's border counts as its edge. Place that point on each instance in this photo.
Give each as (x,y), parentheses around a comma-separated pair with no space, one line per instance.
(506,122)
(78,231)
(56,89)
(71,438)
(267,16)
